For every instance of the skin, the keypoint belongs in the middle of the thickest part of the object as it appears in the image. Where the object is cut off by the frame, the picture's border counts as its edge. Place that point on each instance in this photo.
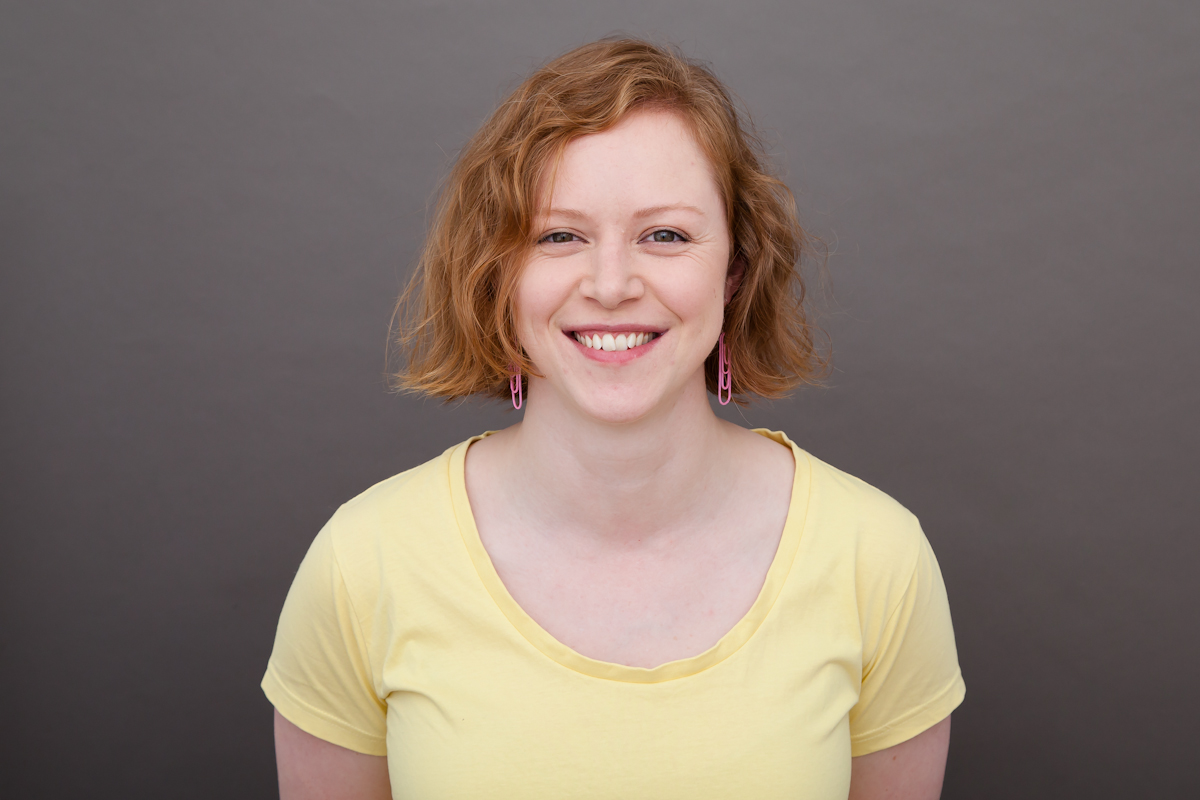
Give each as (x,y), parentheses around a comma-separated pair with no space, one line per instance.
(608,510)
(911,770)
(623,516)
(314,769)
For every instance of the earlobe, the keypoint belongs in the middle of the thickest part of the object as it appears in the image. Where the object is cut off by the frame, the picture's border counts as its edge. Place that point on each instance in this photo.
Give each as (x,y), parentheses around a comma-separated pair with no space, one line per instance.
(733,278)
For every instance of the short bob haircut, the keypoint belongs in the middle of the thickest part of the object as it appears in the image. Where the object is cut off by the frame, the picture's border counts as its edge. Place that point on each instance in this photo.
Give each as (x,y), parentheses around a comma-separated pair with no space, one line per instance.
(456,320)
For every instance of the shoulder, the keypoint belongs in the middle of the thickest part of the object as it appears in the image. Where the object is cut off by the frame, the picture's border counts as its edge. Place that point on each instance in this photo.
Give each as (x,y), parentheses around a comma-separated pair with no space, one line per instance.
(409,491)
(852,502)
(848,503)
(400,516)
(853,526)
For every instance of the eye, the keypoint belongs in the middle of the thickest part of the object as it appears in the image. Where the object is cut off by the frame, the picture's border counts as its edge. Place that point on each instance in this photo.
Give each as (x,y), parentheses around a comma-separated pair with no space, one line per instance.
(666,236)
(559,237)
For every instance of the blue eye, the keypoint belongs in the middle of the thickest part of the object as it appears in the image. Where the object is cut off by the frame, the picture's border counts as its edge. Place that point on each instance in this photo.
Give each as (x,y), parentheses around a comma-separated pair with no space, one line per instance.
(558,237)
(667,237)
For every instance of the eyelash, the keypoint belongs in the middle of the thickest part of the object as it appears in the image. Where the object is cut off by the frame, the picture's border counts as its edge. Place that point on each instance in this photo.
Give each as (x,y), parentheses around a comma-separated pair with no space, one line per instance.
(680,238)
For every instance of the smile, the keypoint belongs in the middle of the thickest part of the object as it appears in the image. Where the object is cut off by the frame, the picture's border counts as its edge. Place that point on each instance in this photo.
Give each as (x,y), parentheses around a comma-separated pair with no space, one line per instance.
(607,341)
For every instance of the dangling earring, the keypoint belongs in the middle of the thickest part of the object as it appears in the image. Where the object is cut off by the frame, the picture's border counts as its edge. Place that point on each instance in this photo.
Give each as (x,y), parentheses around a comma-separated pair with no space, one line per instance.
(724,372)
(517,389)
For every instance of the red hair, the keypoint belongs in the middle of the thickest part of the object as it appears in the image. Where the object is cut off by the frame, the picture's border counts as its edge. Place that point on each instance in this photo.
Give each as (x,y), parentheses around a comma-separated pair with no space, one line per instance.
(457,324)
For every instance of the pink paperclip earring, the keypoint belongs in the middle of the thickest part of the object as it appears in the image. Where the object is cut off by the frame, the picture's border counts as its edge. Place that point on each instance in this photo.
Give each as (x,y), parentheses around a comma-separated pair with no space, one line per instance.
(517,389)
(724,372)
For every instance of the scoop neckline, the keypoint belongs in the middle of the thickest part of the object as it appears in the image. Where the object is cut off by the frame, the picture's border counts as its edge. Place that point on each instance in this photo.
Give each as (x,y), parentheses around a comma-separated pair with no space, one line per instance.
(726,646)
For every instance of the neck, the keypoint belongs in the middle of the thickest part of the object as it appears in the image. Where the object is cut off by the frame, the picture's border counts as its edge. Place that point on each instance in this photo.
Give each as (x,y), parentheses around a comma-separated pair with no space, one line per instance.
(620,482)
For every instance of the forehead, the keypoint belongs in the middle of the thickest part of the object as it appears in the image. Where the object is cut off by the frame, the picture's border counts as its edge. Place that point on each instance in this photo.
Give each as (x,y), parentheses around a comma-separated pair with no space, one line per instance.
(650,158)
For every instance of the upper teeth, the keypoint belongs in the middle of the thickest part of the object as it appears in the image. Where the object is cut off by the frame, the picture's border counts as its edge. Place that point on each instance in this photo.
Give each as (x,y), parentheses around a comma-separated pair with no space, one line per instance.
(606,341)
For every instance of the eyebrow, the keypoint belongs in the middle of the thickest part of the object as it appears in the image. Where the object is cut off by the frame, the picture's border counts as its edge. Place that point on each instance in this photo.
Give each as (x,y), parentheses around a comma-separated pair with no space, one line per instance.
(571,213)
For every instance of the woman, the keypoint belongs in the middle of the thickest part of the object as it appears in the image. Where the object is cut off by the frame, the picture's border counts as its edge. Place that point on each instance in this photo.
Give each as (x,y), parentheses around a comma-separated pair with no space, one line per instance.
(621,595)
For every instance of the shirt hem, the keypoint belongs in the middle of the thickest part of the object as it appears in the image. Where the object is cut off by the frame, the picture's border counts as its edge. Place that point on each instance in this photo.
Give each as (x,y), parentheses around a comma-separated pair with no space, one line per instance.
(314,722)
(795,526)
(915,722)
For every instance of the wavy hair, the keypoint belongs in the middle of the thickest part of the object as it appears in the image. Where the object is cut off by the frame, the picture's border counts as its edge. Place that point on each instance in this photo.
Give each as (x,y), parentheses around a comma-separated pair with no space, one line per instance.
(455,322)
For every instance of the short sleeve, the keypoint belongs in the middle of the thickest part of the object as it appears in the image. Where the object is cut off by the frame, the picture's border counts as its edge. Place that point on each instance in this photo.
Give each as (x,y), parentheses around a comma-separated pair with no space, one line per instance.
(911,679)
(318,676)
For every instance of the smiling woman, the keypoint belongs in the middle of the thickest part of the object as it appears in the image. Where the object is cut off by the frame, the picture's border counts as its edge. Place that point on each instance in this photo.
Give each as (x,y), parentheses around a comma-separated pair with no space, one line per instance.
(632,239)
(495,202)
(620,595)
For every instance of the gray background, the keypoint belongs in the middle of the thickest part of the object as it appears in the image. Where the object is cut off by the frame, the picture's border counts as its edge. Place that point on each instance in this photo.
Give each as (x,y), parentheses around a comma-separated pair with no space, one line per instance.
(207,209)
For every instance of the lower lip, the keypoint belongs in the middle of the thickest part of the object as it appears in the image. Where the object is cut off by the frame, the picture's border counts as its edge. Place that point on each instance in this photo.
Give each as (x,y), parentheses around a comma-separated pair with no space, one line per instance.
(614,356)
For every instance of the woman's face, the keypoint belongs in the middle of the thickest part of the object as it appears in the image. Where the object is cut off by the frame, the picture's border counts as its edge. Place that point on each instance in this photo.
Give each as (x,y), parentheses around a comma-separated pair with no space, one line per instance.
(622,298)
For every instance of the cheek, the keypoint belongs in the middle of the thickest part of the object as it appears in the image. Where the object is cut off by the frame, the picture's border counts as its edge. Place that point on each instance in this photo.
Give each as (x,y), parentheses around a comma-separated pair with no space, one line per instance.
(694,292)
(538,297)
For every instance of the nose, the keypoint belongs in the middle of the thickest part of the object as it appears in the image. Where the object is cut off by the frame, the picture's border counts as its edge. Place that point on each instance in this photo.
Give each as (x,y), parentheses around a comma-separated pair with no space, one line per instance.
(612,278)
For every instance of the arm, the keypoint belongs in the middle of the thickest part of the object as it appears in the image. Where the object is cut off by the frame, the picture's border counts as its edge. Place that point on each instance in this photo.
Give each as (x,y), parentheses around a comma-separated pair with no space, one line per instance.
(314,769)
(911,770)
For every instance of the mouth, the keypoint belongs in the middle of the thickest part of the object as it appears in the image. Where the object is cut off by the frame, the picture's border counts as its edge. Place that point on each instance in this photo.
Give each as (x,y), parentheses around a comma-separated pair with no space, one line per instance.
(609,341)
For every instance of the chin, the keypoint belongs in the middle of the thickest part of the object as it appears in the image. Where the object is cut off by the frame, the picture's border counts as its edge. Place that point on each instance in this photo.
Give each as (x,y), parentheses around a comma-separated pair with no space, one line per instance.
(617,407)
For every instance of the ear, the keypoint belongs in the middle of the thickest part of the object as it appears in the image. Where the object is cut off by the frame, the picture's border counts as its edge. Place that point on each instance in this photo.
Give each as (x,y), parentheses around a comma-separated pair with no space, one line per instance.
(733,278)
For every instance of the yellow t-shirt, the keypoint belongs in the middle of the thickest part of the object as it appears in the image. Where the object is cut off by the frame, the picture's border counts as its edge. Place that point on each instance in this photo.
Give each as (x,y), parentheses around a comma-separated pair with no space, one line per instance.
(399,639)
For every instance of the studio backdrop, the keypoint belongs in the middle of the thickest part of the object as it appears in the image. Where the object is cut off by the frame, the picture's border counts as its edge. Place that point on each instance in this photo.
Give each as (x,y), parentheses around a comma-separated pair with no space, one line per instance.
(208,209)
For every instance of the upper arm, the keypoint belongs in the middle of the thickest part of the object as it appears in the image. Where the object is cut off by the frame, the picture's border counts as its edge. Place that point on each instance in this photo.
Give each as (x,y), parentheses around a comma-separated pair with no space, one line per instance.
(323,672)
(910,674)
(313,769)
(911,770)
(330,723)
